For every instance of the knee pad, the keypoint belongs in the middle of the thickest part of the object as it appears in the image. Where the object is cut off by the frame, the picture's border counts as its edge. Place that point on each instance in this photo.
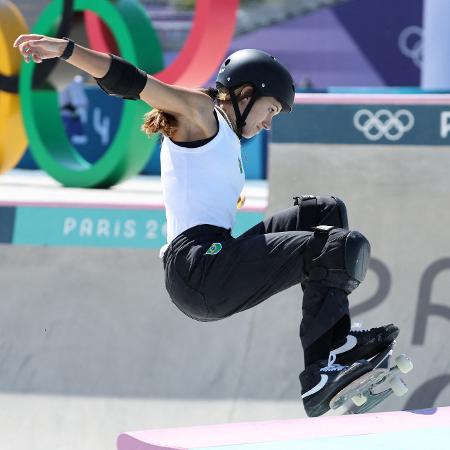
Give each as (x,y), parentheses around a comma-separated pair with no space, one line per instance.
(356,255)
(337,258)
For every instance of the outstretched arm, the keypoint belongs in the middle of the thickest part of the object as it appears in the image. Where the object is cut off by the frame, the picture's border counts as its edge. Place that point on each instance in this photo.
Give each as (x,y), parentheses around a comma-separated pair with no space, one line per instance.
(36,47)
(176,100)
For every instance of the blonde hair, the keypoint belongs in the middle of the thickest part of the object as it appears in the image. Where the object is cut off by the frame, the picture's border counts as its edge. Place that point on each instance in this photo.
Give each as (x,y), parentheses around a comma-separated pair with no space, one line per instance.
(157,121)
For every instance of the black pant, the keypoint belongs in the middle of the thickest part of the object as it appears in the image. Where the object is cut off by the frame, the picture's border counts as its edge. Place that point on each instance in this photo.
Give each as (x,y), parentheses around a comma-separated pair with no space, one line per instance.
(239,273)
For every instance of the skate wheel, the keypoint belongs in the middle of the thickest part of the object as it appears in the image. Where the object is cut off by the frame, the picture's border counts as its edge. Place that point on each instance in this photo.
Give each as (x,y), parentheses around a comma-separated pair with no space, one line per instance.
(398,386)
(404,364)
(359,400)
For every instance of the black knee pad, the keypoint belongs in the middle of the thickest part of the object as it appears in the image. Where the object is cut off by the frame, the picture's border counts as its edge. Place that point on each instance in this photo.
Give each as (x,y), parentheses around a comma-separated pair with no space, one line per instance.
(337,258)
(357,255)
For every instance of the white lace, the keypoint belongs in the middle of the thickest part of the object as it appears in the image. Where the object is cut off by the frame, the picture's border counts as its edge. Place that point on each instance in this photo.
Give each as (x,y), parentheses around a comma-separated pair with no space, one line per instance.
(331,367)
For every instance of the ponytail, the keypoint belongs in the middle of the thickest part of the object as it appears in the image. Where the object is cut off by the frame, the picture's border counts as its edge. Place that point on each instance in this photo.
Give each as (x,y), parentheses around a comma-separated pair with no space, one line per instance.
(157,121)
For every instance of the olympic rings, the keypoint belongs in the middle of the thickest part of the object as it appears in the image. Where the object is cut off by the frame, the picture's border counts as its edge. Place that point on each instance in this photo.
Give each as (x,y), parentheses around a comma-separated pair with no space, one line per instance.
(130,149)
(383,123)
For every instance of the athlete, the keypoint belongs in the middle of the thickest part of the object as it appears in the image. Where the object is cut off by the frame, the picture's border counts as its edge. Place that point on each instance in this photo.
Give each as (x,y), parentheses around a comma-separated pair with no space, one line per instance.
(209,274)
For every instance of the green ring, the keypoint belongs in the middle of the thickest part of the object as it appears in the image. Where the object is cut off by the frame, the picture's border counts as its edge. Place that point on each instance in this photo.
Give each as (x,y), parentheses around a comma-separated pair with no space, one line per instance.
(131,148)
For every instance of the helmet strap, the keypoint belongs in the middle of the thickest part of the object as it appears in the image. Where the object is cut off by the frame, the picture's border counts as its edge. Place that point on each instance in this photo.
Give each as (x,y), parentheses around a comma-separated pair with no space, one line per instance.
(240,118)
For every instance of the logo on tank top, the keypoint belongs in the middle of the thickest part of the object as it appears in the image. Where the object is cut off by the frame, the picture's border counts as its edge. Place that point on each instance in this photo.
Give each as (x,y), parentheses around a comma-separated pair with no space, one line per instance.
(240,165)
(214,249)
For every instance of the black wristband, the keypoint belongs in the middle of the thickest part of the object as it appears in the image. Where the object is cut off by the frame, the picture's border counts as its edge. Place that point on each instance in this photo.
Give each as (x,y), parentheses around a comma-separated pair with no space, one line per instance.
(67,53)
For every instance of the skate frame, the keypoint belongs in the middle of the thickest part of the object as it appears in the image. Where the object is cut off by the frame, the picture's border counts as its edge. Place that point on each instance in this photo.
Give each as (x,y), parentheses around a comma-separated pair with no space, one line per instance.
(366,385)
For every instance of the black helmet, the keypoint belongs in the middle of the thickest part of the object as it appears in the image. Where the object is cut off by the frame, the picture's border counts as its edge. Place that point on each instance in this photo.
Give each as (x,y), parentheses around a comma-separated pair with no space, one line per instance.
(267,76)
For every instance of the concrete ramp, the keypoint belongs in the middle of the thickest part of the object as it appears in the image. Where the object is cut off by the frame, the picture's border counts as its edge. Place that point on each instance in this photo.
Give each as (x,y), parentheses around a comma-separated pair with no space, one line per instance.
(400,430)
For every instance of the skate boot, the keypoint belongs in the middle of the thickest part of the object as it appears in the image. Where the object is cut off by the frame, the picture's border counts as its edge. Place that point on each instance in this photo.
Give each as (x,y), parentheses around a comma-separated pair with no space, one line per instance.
(323,380)
(365,343)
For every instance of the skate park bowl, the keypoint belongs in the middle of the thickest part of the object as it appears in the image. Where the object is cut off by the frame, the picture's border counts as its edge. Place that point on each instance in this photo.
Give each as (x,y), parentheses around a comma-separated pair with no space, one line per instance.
(91,345)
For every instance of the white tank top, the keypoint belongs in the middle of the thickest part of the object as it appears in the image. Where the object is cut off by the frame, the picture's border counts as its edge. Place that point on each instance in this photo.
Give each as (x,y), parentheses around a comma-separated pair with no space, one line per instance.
(202,185)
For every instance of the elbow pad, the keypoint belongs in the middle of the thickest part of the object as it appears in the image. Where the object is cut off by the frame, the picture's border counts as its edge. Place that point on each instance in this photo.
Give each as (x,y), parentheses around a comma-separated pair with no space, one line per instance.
(123,79)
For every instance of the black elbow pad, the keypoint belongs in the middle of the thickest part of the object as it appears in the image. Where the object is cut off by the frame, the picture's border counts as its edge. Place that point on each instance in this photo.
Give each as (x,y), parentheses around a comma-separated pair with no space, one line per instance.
(123,79)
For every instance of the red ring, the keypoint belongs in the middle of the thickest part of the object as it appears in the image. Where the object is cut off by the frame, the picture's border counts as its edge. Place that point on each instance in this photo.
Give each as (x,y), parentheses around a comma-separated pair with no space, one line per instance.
(205,47)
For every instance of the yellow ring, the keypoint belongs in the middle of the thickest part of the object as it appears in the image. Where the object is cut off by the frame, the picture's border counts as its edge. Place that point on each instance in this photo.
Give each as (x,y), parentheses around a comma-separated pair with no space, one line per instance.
(13,139)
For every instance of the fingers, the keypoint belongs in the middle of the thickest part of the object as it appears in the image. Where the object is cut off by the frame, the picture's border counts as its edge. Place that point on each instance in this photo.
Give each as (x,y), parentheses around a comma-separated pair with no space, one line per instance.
(25,51)
(25,38)
(29,51)
(25,43)
(36,58)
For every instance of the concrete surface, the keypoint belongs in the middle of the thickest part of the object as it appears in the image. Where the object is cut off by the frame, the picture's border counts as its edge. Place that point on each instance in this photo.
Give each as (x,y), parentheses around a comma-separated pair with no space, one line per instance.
(91,345)
(398,197)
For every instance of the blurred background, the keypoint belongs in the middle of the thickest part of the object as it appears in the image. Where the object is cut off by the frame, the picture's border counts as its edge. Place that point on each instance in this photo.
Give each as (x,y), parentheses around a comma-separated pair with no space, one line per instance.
(90,344)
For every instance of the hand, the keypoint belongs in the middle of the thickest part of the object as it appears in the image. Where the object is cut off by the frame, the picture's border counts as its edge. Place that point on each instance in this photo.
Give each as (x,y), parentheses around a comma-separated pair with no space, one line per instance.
(37,47)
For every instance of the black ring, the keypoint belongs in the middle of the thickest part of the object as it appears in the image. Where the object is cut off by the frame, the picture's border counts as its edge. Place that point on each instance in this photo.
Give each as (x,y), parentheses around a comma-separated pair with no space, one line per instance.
(9,84)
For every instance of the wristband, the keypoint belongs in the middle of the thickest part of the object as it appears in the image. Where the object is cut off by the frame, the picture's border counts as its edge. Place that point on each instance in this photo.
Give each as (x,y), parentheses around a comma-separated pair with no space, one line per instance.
(67,53)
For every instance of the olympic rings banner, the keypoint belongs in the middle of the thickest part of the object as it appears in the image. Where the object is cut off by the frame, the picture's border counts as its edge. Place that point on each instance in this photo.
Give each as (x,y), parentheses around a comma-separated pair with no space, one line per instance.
(29,110)
(389,119)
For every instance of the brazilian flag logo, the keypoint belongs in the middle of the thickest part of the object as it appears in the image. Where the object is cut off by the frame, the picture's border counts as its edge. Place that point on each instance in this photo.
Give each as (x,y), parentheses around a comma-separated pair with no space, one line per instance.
(214,249)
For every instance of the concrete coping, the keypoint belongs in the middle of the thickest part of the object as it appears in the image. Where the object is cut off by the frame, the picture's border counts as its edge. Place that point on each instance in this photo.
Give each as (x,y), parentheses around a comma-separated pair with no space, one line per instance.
(276,432)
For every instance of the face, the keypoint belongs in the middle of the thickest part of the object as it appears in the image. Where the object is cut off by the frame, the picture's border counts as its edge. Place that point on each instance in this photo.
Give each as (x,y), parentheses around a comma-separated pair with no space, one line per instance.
(260,117)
